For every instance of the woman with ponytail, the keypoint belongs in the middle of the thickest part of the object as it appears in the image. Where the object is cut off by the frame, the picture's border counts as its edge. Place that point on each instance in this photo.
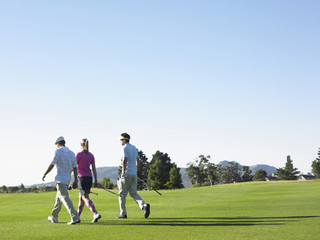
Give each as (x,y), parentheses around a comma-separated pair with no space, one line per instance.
(84,160)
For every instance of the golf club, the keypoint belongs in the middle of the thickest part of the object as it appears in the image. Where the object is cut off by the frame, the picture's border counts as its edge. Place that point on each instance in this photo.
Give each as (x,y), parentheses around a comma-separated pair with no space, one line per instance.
(70,188)
(110,192)
(149,186)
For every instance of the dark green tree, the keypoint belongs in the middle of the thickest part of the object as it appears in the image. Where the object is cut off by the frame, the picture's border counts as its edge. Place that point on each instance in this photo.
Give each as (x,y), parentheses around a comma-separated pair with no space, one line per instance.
(260,175)
(246,174)
(13,189)
(154,178)
(142,169)
(193,173)
(230,173)
(159,170)
(175,178)
(288,172)
(107,184)
(316,166)
(4,189)
(211,172)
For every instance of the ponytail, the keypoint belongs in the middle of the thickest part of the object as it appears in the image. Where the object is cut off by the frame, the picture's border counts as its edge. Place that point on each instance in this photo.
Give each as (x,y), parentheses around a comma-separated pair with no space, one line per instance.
(85,145)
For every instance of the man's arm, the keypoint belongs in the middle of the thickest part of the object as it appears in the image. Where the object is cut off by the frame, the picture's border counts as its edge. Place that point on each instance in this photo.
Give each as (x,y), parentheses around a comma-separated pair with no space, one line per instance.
(75,175)
(124,164)
(48,170)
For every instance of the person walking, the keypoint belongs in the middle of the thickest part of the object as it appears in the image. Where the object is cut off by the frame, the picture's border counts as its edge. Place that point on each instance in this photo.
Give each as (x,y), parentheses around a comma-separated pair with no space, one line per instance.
(128,180)
(84,160)
(65,161)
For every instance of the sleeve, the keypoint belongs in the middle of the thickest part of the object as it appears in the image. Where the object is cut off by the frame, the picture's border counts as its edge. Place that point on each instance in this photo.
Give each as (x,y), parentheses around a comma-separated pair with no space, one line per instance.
(55,158)
(125,152)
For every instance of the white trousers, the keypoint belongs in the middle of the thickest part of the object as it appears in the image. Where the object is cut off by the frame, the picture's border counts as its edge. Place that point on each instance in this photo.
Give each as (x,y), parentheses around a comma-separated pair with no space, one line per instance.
(125,185)
(63,198)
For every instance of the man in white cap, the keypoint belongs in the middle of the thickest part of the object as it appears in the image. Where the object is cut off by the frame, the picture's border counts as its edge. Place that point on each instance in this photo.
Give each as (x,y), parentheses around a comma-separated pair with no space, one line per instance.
(65,161)
(128,181)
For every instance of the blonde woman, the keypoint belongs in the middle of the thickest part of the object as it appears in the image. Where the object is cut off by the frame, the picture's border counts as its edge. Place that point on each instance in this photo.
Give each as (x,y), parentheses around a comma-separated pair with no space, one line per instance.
(84,160)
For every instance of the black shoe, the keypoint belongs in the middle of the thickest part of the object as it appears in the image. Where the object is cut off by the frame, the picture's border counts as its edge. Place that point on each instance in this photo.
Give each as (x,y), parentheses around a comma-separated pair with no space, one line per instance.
(147,211)
(122,216)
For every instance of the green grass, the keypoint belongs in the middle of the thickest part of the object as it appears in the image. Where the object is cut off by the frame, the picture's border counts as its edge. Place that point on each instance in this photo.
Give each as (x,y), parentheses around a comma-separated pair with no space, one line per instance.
(257,210)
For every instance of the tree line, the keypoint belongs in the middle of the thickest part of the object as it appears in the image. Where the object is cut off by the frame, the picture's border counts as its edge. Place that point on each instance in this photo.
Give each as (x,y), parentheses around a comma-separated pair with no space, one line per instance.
(23,189)
(162,173)
(203,172)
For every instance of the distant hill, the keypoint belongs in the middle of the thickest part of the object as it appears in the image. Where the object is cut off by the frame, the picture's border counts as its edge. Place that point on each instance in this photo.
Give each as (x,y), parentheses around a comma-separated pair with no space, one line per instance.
(267,168)
(109,172)
(186,181)
(254,168)
(225,163)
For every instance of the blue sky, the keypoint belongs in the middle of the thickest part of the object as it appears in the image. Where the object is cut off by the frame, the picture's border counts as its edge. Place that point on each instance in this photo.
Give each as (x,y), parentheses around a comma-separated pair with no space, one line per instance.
(237,80)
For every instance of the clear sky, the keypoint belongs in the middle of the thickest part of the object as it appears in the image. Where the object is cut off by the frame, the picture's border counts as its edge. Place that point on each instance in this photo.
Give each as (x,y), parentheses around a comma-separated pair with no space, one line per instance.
(237,80)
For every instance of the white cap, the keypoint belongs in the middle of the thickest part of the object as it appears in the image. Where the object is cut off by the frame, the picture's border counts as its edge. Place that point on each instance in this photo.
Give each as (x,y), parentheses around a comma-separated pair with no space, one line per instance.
(59,139)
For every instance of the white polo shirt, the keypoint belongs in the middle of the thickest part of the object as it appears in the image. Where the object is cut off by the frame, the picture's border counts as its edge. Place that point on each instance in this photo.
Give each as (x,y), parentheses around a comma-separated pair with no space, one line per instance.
(65,160)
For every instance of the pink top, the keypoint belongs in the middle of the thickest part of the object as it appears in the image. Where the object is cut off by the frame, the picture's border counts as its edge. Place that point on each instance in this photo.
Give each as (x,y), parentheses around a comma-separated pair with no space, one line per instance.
(84,161)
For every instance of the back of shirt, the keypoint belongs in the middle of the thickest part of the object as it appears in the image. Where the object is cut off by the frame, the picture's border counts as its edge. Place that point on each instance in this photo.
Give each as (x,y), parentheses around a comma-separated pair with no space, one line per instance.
(131,153)
(84,160)
(65,160)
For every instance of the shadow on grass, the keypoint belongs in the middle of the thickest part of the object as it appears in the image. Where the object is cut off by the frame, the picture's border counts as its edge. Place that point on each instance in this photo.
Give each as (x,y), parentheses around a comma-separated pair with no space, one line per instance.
(242,217)
(204,221)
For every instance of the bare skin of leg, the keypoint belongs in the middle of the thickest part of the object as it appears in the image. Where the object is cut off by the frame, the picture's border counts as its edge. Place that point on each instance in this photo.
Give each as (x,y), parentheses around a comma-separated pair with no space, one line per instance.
(84,199)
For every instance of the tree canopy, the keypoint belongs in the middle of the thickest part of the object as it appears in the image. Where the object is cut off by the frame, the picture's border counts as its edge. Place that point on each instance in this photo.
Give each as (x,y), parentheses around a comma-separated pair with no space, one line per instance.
(202,171)
(260,175)
(288,172)
(316,166)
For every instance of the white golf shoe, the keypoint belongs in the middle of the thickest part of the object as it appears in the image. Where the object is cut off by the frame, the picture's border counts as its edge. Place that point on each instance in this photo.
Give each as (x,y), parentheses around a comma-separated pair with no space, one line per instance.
(96,217)
(52,219)
(74,222)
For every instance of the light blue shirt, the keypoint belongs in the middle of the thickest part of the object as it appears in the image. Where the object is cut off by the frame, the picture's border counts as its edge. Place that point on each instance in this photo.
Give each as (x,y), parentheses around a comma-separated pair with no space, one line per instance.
(131,153)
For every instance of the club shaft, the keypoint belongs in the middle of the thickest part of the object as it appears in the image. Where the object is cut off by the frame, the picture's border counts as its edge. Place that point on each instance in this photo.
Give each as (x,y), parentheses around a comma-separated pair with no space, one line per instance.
(149,186)
(111,192)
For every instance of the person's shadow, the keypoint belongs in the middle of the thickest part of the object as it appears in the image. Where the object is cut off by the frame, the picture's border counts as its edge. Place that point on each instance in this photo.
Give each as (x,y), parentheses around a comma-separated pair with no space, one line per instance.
(205,221)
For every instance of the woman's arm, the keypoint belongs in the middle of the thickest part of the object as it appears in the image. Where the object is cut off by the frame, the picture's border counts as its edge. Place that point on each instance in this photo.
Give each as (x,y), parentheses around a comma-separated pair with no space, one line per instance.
(93,165)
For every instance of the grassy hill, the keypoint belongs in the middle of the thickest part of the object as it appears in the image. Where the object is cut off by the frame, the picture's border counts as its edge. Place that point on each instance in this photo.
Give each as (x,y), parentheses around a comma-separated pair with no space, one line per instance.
(255,210)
